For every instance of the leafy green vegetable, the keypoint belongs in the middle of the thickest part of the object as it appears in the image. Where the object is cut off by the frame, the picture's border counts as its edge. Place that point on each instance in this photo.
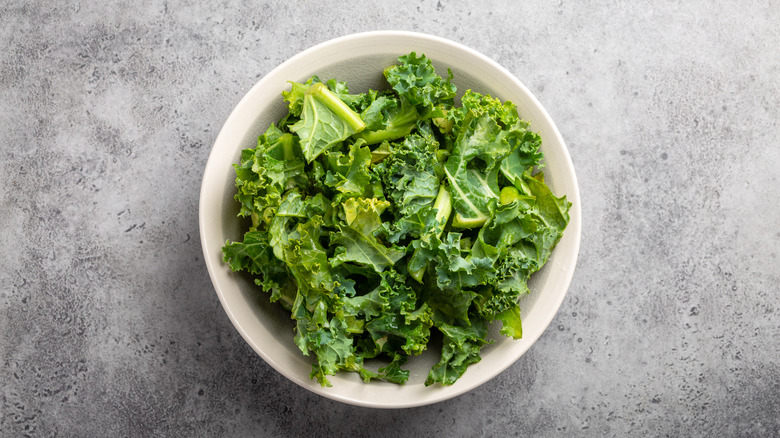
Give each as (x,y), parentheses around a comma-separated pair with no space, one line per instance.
(382,218)
(388,119)
(325,120)
(416,80)
(355,239)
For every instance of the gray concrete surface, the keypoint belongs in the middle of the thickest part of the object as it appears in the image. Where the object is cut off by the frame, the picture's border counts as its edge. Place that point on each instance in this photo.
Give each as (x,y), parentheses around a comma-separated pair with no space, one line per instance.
(109,325)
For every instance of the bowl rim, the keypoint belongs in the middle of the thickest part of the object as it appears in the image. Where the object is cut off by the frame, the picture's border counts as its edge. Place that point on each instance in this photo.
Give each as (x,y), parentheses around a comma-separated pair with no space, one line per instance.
(573,229)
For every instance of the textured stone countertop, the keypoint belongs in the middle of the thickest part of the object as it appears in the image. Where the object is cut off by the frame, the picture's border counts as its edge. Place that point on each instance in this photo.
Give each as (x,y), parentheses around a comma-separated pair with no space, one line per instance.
(109,325)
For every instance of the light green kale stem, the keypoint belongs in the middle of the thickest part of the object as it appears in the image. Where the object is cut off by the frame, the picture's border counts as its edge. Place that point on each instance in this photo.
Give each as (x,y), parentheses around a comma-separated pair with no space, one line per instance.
(443,206)
(321,92)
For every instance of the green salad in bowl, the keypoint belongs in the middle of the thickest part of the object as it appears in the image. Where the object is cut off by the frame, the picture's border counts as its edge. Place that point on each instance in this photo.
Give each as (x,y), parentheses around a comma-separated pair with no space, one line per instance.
(394,219)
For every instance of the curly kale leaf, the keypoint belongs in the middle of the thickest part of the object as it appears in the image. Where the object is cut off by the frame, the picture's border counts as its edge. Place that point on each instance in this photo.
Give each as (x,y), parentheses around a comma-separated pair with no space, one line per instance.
(416,80)
(355,241)
(349,174)
(460,349)
(255,255)
(472,171)
(266,172)
(402,326)
(325,121)
(388,118)
(411,184)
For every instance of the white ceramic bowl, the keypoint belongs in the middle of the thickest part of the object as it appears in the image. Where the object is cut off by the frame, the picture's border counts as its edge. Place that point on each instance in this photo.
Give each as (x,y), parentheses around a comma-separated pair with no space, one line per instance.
(359,59)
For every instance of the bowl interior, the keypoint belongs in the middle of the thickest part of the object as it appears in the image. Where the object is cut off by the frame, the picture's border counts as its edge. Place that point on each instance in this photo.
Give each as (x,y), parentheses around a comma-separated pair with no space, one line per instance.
(359,60)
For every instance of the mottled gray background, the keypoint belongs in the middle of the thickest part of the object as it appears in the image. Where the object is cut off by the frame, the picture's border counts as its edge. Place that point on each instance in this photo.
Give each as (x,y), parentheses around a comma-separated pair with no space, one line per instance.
(109,325)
